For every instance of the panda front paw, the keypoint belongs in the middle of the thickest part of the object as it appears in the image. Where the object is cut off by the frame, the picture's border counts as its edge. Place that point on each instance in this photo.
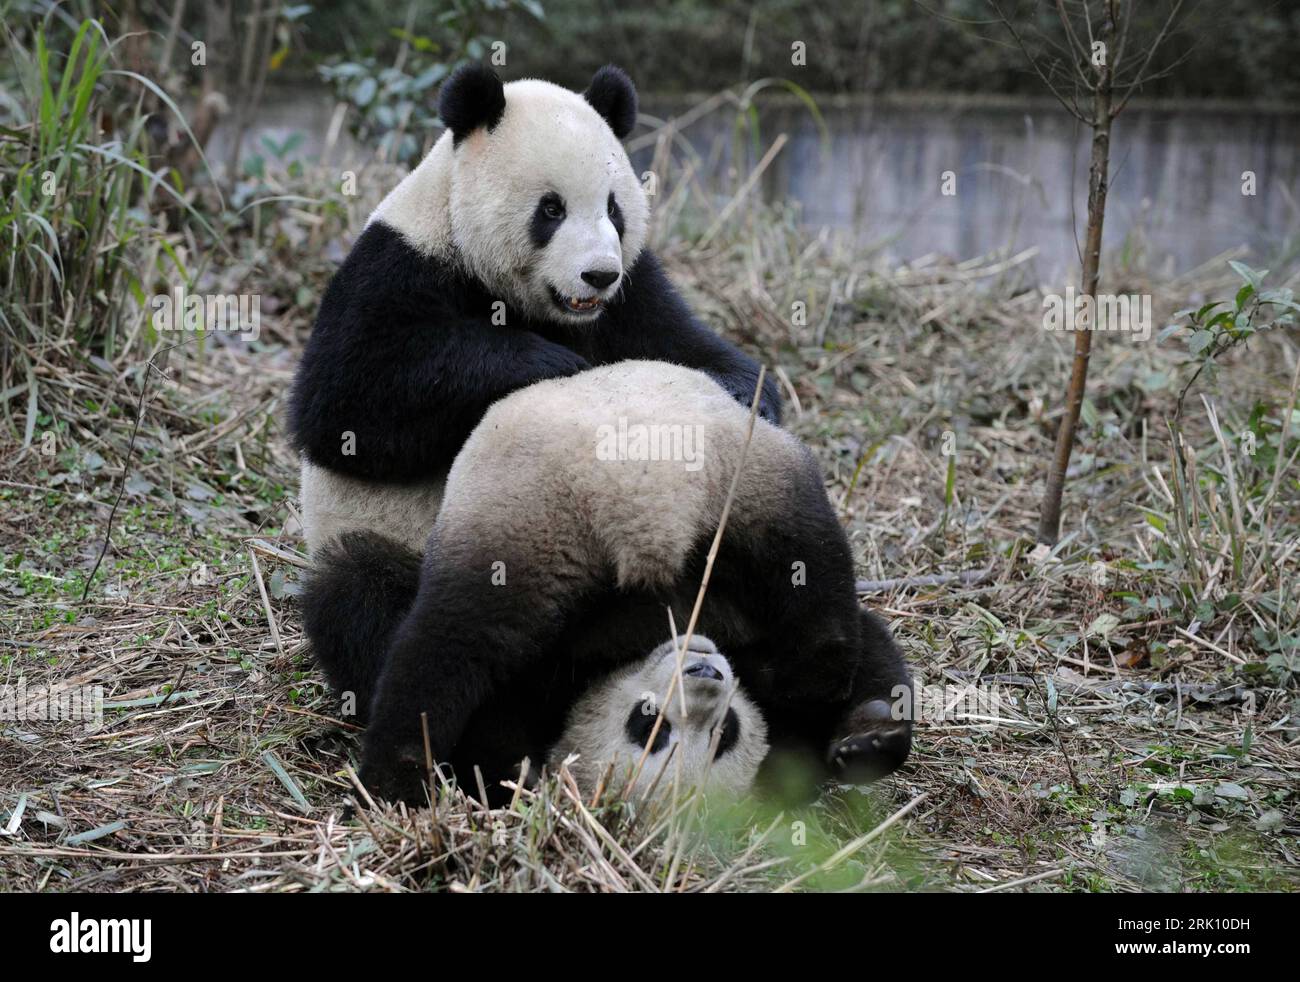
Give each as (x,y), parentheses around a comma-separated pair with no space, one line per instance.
(557,361)
(396,775)
(741,388)
(875,744)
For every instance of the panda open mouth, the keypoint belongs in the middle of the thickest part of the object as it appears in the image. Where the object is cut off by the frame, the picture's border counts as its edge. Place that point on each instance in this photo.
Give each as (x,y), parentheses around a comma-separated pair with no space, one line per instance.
(576,305)
(703,671)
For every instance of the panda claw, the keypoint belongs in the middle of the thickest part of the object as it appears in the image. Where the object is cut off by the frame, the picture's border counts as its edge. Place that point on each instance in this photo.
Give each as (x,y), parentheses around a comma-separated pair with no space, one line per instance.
(877,745)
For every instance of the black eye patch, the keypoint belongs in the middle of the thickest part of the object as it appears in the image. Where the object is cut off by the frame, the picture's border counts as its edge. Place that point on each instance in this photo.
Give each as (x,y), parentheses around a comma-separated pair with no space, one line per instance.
(548,216)
(640,723)
(615,214)
(730,733)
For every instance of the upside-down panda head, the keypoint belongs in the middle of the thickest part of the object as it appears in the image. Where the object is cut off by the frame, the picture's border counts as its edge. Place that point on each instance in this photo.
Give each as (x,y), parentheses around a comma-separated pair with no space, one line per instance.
(614,721)
(545,209)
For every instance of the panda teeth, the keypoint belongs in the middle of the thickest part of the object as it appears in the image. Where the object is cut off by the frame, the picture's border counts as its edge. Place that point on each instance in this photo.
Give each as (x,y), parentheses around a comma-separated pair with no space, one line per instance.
(577,305)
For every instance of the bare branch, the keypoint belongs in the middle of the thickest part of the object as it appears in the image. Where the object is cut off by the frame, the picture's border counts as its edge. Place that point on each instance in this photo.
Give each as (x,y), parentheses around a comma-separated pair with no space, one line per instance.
(1138,79)
(1123,36)
(1074,218)
(1168,69)
(949,17)
(1068,57)
(1069,106)
(1069,28)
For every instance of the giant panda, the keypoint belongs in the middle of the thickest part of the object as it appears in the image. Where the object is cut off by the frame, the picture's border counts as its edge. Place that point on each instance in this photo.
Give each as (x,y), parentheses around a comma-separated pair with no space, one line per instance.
(514,252)
(554,560)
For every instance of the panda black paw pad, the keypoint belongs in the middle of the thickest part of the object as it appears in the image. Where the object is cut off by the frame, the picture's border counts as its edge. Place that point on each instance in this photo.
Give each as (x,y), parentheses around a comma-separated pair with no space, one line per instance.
(875,745)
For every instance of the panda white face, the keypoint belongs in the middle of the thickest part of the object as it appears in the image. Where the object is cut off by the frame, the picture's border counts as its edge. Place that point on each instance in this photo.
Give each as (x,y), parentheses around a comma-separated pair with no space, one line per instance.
(615,720)
(545,207)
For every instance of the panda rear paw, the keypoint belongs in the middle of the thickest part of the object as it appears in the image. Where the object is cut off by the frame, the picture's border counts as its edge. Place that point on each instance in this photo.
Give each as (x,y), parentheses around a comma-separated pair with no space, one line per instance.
(875,744)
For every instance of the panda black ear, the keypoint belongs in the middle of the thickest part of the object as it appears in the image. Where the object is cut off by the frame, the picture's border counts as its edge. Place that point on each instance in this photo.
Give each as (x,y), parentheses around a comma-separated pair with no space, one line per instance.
(472,97)
(613,95)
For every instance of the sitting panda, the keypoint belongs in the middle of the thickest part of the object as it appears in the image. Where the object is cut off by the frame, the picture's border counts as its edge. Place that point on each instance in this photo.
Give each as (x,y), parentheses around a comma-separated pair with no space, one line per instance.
(514,252)
(550,565)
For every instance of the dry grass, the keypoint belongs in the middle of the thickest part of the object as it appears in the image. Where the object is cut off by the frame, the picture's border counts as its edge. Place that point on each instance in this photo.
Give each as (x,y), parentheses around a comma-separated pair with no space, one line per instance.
(1146,738)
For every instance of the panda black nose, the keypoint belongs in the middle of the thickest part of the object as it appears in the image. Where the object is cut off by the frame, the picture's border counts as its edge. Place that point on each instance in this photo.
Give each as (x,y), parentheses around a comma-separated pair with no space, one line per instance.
(599,278)
(703,670)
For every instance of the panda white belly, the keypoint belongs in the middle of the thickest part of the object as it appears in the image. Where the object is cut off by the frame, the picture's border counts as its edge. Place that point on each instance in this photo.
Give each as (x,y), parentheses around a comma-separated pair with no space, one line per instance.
(334,503)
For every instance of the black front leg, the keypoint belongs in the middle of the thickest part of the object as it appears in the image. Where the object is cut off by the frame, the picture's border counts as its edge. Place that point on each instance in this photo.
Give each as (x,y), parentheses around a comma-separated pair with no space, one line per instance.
(874,737)
(429,679)
(468,635)
(406,356)
(459,644)
(397,402)
(852,729)
(824,672)
(741,381)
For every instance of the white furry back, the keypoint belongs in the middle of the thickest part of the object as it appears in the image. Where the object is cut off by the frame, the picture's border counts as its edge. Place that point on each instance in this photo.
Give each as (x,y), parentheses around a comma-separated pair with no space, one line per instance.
(558,465)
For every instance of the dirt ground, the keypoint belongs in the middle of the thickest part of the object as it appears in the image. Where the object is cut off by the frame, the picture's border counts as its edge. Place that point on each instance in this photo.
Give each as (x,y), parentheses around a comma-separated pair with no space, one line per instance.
(1120,715)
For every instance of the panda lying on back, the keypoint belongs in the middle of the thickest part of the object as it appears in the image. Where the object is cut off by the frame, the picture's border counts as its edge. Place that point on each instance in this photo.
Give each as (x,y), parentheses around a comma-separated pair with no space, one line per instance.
(551,563)
(513,253)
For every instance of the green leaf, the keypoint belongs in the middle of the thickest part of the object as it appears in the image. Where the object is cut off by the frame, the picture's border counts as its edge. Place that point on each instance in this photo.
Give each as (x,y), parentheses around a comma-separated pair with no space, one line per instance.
(277,768)
(180,118)
(95,833)
(1102,625)
(1207,308)
(1089,413)
(1199,341)
(365,91)
(1252,276)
